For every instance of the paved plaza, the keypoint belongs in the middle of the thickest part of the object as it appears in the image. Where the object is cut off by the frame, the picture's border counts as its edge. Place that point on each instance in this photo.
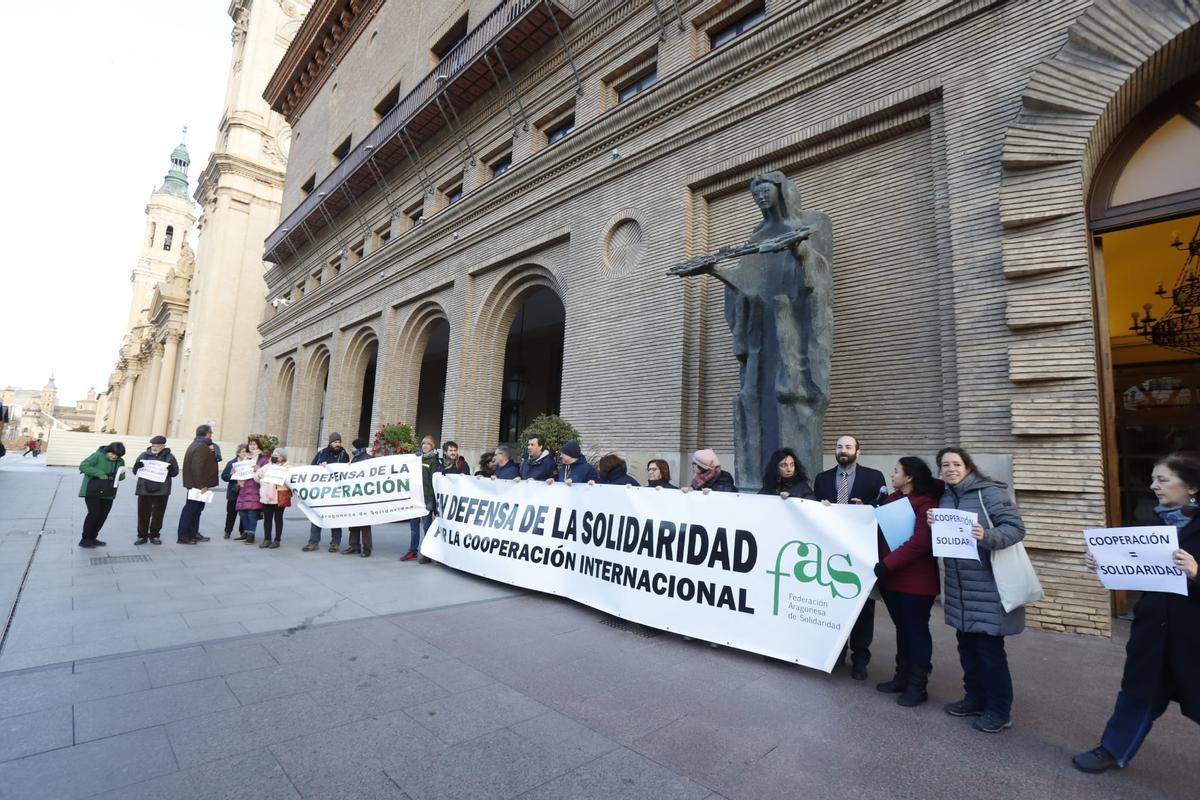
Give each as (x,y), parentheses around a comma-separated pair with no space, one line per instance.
(225,671)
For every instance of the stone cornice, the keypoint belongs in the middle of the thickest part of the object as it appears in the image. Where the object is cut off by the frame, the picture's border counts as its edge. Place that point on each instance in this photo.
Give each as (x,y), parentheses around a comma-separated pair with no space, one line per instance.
(220,164)
(329,30)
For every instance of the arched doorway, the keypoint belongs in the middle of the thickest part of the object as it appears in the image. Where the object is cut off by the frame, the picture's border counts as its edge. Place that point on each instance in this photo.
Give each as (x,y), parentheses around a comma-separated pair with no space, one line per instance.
(285,384)
(359,381)
(533,362)
(431,385)
(1144,216)
(314,400)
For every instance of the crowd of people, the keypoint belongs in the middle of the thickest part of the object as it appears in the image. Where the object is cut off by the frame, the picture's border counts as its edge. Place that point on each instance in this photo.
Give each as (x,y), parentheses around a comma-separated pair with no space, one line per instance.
(1163,655)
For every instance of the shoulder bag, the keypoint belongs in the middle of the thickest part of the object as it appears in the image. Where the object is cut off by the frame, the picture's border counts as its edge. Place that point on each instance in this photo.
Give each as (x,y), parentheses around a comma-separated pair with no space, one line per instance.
(1015,577)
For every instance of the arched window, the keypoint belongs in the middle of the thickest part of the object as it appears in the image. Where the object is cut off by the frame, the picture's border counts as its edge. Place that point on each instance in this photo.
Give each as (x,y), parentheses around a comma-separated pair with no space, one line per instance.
(167,239)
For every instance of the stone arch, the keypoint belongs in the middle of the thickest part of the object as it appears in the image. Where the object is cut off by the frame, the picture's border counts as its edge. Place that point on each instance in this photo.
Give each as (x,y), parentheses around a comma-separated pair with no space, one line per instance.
(311,404)
(408,353)
(354,405)
(1117,58)
(484,377)
(282,394)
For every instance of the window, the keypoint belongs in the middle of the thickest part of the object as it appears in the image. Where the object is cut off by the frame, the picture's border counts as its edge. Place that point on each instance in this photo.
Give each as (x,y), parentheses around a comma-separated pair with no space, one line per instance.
(383,235)
(314,280)
(732,30)
(167,239)
(448,41)
(307,187)
(637,86)
(298,292)
(454,194)
(415,213)
(356,253)
(387,103)
(560,130)
(341,151)
(502,165)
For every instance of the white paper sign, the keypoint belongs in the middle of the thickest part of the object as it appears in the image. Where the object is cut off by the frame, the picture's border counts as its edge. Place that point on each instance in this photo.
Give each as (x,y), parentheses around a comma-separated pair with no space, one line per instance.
(118,474)
(1137,558)
(898,522)
(203,497)
(273,473)
(243,470)
(787,580)
(368,492)
(153,471)
(952,534)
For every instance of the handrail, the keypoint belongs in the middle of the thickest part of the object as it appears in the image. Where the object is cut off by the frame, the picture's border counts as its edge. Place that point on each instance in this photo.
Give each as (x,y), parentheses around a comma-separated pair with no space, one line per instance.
(472,45)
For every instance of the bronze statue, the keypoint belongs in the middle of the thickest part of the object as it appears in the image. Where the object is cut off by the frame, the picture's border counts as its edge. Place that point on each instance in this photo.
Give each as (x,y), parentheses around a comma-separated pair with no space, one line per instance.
(779,308)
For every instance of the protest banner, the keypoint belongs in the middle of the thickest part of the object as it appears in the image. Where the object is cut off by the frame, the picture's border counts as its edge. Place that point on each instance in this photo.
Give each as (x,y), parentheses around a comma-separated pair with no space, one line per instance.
(273,473)
(244,470)
(370,492)
(786,579)
(153,470)
(1137,558)
(952,534)
(898,522)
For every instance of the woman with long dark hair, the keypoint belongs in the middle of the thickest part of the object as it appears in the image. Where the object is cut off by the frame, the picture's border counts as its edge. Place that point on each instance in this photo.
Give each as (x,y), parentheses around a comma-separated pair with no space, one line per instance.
(1162,659)
(785,476)
(972,599)
(908,581)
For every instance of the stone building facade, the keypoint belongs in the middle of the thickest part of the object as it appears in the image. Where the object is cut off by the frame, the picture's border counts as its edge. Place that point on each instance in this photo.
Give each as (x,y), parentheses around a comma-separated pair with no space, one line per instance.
(191,353)
(35,413)
(483,199)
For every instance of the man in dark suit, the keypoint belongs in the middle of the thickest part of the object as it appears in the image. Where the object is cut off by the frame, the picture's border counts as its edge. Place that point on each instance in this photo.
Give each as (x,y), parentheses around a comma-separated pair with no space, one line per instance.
(851,482)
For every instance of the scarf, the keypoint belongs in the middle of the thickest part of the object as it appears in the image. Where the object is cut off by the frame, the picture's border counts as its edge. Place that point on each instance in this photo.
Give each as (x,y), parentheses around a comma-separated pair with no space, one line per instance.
(1179,516)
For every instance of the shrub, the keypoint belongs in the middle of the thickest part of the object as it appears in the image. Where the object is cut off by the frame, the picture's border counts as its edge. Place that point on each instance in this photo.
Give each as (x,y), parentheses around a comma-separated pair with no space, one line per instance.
(553,428)
(266,442)
(394,439)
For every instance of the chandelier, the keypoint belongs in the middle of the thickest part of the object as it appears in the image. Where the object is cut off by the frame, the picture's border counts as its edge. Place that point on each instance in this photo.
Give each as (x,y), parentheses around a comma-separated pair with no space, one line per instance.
(1178,327)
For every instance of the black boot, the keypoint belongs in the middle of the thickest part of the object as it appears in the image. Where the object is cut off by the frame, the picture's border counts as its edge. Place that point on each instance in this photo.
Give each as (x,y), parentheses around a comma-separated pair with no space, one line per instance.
(918,678)
(899,681)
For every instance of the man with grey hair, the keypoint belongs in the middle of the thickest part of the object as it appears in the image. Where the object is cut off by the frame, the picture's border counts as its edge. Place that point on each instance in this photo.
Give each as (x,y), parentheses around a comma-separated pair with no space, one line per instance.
(505,468)
(199,473)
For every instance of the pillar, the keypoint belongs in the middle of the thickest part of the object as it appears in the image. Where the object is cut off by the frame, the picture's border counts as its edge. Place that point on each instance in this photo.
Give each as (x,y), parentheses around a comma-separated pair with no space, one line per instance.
(124,403)
(166,380)
(143,412)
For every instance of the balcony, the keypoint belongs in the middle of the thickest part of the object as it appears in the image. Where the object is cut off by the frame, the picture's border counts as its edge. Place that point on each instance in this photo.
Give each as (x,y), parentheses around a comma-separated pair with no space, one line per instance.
(514,31)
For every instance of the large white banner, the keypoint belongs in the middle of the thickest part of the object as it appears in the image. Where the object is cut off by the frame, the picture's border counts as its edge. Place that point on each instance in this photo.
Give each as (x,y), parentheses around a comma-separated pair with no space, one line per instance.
(369,492)
(785,578)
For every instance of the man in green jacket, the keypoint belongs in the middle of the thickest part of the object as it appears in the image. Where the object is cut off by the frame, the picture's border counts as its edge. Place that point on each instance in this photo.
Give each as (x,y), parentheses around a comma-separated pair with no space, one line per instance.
(102,470)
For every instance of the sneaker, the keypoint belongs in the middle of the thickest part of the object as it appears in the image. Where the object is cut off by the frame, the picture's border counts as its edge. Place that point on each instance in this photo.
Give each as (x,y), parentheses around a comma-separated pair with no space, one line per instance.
(335,547)
(1097,760)
(351,550)
(409,557)
(310,548)
(990,723)
(99,543)
(265,544)
(963,708)
(155,540)
(858,671)
(241,537)
(228,534)
(275,545)
(142,540)
(249,540)
(199,538)
(86,544)
(185,540)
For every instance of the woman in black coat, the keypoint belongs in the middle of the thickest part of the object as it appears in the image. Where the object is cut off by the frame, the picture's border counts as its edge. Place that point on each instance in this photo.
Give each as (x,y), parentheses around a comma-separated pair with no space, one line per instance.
(785,476)
(1162,659)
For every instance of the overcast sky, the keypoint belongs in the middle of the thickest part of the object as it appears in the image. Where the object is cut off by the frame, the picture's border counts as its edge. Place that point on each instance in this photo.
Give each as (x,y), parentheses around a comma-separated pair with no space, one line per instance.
(95,97)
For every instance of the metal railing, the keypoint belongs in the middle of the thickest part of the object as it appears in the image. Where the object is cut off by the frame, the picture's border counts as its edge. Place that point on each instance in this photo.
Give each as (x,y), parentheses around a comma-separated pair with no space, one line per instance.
(450,65)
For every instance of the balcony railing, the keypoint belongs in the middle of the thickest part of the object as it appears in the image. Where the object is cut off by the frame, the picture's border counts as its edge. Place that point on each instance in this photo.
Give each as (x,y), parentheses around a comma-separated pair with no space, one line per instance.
(516,27)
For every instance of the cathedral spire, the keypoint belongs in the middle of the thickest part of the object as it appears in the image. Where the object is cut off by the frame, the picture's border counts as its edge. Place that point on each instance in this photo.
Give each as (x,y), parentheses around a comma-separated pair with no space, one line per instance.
(176,181)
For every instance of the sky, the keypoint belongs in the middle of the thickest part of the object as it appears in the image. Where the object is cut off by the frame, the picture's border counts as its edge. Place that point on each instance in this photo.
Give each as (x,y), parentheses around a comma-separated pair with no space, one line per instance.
(95,99)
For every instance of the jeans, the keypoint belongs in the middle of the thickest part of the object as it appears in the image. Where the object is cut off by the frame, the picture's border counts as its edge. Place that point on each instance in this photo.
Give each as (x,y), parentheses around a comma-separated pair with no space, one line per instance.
(910,615)
(249,520)
(418,527)
(314,535)
(986,678)
(189,518)
(150,515)
(272,517)
(97,513)
(861,635)
(1131,720)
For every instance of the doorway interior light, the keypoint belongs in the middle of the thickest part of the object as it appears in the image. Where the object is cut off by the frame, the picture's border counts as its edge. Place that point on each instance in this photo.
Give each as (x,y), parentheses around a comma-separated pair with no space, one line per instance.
(1179,326)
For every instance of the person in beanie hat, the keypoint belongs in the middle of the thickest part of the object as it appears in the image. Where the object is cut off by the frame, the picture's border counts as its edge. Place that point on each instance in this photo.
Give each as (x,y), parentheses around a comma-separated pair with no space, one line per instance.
(334,453)
(575,468)
(707,475)
(360,535)
(152,496)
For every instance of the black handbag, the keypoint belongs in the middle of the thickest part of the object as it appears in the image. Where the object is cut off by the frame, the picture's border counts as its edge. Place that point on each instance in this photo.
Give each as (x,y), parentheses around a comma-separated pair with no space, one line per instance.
(101,489)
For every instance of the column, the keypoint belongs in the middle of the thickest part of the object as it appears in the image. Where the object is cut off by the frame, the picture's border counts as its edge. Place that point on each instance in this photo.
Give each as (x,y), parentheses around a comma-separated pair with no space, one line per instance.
(114,398)
(125,400)
(166,381)
(143,411)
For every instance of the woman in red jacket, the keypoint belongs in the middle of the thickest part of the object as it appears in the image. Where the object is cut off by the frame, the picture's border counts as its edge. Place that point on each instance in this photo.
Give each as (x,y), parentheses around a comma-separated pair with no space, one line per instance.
(908,580)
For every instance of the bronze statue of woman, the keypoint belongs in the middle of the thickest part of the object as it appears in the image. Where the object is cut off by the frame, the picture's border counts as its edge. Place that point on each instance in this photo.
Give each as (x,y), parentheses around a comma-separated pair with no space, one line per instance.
(779,308)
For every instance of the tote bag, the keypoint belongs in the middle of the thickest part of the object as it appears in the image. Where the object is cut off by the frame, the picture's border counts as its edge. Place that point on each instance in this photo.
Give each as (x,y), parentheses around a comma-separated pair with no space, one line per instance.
(1016,580)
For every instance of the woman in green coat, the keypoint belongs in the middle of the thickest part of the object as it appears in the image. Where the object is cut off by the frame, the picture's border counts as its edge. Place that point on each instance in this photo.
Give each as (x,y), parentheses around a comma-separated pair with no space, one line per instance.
(101,472)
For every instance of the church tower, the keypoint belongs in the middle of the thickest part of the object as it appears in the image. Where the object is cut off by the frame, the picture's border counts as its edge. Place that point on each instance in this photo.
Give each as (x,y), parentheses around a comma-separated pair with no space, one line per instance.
(49,396)
(240,192)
